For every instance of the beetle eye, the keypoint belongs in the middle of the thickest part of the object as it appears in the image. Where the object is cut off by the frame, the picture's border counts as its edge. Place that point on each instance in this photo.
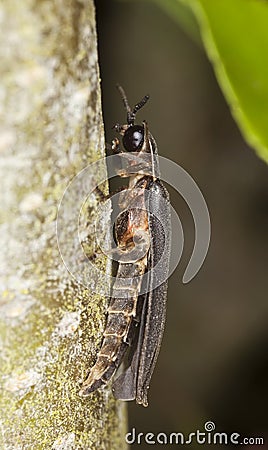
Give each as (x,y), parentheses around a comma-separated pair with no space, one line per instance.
(133,138)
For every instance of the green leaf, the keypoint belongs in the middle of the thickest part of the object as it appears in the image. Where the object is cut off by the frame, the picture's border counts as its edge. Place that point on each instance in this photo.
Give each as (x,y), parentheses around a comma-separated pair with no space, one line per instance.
(235,35)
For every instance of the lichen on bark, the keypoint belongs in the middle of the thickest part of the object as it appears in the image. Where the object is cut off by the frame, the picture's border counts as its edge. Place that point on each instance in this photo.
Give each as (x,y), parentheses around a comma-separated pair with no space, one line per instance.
(51,128)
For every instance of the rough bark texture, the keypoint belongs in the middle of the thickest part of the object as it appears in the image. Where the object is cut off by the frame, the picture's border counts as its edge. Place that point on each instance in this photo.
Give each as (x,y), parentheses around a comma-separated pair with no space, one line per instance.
(51,128)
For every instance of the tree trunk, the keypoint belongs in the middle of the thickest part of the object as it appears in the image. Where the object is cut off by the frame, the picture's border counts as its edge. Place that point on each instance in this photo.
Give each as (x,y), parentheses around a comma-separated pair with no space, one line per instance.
(51,324)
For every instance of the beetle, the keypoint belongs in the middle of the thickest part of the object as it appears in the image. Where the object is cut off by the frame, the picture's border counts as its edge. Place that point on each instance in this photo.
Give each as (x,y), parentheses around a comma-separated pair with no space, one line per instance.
(137,308)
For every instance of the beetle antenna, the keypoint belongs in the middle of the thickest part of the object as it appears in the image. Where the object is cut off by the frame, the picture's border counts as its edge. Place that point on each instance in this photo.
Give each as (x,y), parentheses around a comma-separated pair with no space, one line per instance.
(124,98)
(140,104)
(131,113)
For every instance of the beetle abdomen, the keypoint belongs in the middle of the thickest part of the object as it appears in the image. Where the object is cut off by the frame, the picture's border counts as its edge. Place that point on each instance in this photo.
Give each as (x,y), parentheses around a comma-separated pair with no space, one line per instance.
(118,332)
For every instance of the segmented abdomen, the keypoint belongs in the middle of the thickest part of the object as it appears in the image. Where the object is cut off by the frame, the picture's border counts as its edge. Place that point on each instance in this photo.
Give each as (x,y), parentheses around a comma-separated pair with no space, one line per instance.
(121,312)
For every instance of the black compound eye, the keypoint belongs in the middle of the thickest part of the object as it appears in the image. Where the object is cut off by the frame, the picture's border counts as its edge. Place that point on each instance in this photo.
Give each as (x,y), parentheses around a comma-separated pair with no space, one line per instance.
(133,138)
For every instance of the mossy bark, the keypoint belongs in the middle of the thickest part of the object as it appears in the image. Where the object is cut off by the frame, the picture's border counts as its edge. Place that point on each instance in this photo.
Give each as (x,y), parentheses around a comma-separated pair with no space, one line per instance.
(51,128)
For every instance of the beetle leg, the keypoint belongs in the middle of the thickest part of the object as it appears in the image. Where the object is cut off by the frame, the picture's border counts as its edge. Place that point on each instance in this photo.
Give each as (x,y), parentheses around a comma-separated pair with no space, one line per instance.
(116,146)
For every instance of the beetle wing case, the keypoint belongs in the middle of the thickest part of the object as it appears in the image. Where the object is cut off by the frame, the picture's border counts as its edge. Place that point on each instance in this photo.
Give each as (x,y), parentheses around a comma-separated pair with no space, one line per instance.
(134,382)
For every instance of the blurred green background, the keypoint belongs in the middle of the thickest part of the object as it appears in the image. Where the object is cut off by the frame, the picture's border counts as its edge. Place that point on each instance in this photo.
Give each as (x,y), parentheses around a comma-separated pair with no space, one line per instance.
(213,361)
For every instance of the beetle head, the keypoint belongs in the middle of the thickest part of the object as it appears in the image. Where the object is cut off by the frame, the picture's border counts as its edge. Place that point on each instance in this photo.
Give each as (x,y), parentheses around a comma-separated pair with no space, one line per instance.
(133,135)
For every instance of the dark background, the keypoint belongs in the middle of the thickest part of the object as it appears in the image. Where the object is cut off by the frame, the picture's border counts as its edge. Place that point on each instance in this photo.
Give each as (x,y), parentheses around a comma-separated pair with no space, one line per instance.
(213,361)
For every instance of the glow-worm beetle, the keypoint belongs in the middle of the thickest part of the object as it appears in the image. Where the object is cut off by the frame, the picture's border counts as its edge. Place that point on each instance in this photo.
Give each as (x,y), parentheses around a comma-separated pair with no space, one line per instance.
(136,313)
